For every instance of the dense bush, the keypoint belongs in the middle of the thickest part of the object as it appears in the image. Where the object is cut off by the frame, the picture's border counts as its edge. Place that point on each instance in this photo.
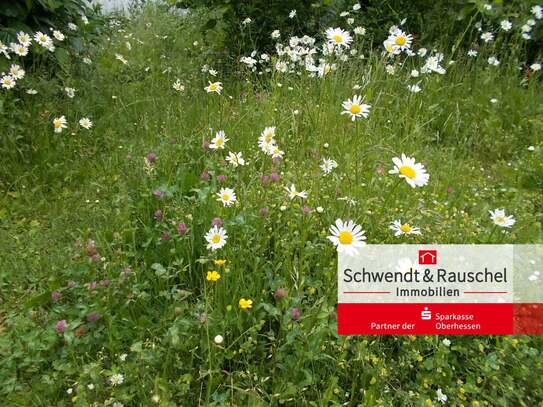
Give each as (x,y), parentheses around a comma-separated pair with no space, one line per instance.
(433,22)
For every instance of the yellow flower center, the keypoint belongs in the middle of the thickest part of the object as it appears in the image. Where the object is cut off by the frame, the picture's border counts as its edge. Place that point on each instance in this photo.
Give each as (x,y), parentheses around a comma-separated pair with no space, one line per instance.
(345,237)
(216,239)
(406,228)
(499,220)
(355,108)
(268,137)
(213,87)
(408,171)
(57,124)
(338,38)
(389,47)
(220,141)
(225,197)
(401,40)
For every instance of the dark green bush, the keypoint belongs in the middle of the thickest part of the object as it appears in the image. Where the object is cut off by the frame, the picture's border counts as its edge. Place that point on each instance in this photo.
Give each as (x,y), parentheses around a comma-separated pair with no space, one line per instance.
(440,23)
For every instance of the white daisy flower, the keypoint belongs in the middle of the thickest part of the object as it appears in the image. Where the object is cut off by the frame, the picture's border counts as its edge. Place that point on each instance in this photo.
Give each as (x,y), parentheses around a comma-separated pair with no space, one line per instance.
(338,37)
(58,35)
(500,219)
(215,87)
(16,72)
(43,39)
(8,82)
(24,38)
(266,141)
(355,108)
(276,152)
(472,53)
(275,34)
(59,123)
(413,173)
(506,25)
(401,40)
(178,86)
(293,193)
(328,165)
(400,228)
(414,88)
(219,141)
(19,49)
(216,238)
(86,123)
(235,159)
(227,196)
(347,237)
(487,36)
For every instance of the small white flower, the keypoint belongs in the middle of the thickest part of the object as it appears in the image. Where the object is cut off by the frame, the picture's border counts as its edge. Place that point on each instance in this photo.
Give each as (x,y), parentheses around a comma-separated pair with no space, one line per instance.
(506,25)
(328,165)
(414,88)
(24,39)
(70,92)
(218,339)
(116,379)
(8,82)
(537,11)
(472,53)
(442,398)
(86,123)
(292,14)
(493,61)
(446,342)
(59,123)
(58,35)
(227,196)
(487,36)
(500,219)
(178,86)
(535,67)
(235,159)
(360,31)
(275,34)
(293,193)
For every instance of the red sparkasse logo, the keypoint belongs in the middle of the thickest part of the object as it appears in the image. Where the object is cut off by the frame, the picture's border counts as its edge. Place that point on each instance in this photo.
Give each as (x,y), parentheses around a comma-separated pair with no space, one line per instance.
(427,256)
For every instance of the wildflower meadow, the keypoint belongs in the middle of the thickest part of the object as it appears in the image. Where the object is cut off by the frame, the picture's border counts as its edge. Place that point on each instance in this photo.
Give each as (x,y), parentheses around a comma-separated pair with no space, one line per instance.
(177,181)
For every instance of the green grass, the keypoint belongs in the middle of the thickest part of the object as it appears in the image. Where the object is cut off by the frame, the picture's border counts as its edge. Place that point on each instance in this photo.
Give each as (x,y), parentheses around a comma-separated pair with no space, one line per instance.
(67,188)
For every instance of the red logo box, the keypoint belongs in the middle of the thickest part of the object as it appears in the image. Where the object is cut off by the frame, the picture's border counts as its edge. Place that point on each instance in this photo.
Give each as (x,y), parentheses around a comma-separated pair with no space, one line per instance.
(427,256)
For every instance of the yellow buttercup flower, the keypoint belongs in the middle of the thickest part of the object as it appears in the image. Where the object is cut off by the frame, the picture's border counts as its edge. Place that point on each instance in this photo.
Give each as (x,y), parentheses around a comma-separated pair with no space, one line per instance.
(245,304)
(220,262)
(213,276)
